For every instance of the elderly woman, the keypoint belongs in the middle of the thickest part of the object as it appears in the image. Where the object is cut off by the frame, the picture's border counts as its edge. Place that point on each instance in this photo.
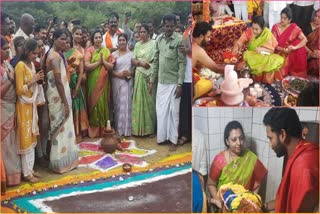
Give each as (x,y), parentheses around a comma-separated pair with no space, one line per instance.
(259,56)
(313,45)
(291,45)
(235,164)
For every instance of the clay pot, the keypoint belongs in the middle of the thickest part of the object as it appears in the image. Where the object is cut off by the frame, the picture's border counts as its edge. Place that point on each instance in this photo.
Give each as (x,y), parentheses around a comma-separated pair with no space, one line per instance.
(126,167)
(110,141)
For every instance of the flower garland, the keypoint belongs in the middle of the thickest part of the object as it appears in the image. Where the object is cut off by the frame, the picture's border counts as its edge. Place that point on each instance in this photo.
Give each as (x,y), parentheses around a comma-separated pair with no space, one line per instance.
(236,198)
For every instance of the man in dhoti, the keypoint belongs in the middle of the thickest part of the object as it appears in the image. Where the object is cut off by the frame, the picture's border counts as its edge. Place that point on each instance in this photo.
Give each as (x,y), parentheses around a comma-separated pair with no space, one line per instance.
(169,67)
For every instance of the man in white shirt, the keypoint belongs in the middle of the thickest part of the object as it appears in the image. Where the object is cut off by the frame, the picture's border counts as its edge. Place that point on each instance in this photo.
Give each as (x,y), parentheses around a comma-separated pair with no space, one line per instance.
(272,10)
(153,35)
(302,12)
(241,10)
(26,26)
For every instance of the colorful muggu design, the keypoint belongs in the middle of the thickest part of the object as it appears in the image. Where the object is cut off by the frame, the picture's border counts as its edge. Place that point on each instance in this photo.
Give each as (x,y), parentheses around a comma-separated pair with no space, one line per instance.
(235,198)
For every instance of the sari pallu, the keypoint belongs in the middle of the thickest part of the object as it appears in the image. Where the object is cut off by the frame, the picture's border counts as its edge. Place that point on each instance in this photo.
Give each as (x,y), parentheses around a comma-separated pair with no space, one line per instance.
(143,104)
(79,108)
(10,157)
(313,44)
(99,92)
(295,63)
(263,67)
(246,170)
(300,178)
(64,152)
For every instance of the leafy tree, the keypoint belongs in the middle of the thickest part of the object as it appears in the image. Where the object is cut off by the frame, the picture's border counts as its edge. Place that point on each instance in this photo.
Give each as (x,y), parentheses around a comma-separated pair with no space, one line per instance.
(94,13)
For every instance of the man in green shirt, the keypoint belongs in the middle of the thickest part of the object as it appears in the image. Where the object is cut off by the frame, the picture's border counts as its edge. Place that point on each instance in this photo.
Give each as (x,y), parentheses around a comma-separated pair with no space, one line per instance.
(169,68)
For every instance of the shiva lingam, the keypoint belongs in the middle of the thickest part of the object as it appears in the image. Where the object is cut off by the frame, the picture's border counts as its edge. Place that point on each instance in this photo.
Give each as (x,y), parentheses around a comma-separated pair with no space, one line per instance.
(110,141)
(232,86)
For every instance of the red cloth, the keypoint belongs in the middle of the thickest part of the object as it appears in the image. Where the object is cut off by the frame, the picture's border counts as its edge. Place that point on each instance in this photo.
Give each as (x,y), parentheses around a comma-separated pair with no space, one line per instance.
(301,176)
(296,62)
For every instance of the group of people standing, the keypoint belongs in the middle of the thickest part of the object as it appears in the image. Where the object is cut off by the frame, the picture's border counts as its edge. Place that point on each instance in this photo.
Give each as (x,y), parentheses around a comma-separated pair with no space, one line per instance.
(61,88)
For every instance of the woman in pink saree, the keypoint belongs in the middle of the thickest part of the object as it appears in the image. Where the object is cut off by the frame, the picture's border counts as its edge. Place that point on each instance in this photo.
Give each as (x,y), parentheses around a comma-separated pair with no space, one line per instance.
(291,45)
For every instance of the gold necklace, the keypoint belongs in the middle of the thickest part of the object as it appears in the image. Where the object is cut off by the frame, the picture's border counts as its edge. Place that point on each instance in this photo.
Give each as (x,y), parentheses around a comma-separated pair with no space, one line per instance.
(232,157)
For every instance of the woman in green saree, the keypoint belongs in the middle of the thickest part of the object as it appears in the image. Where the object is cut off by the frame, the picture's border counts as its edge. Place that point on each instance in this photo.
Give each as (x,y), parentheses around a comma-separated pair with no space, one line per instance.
(75,71)
(143,103)
(259,56)
(98,63)
(235,164)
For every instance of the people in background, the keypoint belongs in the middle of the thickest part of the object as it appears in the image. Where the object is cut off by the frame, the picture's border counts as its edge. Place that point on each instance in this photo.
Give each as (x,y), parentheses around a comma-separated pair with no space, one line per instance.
(313,45)
(110,38)
(309,95)
(18,43)
(271,11)
(153,35)
(26,26)
(179,29)
(186,103)
(302,12)
(241,10)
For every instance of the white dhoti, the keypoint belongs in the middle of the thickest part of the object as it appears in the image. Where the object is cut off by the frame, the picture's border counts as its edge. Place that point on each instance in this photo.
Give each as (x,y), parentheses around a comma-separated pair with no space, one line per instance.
(241,11)
(167,108)
(272,12)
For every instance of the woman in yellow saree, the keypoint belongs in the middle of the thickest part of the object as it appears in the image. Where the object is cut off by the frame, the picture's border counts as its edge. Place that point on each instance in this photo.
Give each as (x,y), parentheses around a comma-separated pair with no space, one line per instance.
(259,55)
(235,164)
(98,63)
